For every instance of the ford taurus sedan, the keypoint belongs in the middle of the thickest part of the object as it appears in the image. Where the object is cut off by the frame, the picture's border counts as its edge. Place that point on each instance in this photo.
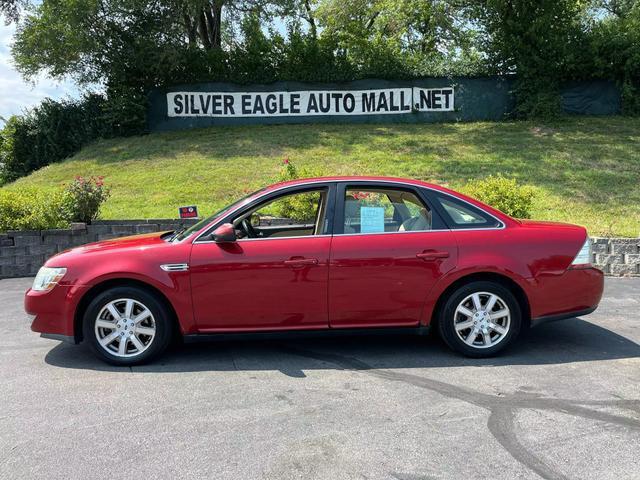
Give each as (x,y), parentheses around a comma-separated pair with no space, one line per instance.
(324,256)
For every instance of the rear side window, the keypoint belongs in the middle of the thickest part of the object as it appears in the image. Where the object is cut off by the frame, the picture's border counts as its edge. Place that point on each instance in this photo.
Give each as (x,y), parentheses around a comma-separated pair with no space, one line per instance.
(384,210)
(460,215)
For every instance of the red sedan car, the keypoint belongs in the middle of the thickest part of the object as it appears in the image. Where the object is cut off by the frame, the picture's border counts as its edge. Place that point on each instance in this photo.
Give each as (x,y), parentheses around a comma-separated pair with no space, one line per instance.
(327,255)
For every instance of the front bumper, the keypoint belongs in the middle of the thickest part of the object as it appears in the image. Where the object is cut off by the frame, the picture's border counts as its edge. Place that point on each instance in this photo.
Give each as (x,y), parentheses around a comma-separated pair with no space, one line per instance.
(54,311)
(62,338)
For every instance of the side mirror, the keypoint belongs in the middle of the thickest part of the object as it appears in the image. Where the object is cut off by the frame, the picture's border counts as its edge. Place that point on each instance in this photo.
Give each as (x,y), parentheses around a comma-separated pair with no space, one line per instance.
(225,233)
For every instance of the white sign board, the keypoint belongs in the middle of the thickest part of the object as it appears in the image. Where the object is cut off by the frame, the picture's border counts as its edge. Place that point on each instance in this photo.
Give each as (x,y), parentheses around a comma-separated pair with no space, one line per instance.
(383,101)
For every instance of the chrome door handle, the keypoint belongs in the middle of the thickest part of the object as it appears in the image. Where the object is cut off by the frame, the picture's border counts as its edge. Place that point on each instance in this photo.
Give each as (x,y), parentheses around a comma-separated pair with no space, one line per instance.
(300,262)
(432,255)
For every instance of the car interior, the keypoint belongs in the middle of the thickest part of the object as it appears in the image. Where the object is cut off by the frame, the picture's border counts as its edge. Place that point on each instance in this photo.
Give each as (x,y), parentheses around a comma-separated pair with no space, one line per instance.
(461,215)
(384,210)
(296,214)
(371,210)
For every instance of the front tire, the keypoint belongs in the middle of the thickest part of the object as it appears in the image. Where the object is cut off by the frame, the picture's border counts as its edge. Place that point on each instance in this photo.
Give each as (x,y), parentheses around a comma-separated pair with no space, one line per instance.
(127,326)
(480,319)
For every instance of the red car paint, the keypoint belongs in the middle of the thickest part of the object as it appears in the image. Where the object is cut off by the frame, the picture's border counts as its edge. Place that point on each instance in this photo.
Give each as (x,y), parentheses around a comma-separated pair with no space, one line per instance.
(326,281)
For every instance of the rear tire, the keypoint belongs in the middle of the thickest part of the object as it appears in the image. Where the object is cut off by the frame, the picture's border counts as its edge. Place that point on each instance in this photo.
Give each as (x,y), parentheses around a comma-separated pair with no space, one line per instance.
(127,326)
(480,319)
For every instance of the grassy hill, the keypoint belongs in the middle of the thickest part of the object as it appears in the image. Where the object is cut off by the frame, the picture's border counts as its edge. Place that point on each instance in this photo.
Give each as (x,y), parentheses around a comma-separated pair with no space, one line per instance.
(587,170)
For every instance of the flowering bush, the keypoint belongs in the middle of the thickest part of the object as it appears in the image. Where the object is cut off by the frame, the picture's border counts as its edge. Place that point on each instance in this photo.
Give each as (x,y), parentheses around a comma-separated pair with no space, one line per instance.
(290,172)
(83,198)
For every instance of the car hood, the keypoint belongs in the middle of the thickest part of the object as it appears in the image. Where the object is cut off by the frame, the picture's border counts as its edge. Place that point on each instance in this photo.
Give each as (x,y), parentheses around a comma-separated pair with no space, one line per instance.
(139,243)
(144,240)
(138,256)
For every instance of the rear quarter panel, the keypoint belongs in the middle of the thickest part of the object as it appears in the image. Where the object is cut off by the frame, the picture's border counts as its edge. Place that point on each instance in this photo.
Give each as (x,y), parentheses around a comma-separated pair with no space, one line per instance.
(534,256)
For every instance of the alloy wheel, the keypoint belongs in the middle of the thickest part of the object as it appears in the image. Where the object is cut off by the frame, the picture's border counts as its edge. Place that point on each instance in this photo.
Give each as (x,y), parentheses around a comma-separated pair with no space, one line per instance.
(125,327)
(482,320)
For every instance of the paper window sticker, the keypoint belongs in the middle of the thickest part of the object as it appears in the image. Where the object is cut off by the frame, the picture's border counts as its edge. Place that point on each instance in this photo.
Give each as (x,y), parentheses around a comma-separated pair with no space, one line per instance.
(371,219)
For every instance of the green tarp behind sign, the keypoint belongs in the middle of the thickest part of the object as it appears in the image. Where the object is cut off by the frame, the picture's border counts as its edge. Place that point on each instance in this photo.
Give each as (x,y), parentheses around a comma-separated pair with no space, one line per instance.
(424,100)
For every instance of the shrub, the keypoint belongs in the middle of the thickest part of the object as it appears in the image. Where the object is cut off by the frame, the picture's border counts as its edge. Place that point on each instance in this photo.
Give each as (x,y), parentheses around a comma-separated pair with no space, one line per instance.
(82,199)
(296,207)
(630,95)
(49,133)
(30,209)
(504,194)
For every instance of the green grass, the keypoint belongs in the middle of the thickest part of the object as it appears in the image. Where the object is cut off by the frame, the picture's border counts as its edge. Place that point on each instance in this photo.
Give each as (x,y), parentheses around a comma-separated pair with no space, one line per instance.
(586,170)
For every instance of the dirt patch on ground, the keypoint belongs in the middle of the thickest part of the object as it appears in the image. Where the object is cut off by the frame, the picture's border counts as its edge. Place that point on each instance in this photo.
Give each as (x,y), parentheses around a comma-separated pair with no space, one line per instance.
(542,131)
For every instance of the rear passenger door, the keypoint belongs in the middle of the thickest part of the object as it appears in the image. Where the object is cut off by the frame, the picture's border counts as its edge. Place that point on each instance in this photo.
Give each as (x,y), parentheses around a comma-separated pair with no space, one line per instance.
(389,249)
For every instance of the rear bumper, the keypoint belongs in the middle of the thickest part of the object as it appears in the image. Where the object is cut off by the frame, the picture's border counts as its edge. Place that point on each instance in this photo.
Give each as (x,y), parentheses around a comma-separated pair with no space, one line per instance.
(575,293)
(54,311)
(561,316)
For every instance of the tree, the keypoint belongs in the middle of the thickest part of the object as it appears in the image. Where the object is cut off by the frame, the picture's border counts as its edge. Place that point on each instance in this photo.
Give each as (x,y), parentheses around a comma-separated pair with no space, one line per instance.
(613,49)
(203,19)
(423,36)
(618,8)
(85,38)
(131,46)
(536,39)
(422,26)
(11,9)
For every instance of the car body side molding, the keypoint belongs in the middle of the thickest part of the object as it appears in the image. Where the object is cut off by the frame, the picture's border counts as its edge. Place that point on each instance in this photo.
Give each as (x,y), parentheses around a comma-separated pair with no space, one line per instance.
(295,334)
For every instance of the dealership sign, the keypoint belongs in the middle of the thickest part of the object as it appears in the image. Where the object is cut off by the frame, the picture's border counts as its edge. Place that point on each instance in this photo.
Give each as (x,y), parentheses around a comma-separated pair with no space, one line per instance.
(188,212)
(420,100)
(310,102)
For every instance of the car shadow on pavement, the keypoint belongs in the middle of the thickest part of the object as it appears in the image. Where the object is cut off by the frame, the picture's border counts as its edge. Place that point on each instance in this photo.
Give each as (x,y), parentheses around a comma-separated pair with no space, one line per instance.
(568,341)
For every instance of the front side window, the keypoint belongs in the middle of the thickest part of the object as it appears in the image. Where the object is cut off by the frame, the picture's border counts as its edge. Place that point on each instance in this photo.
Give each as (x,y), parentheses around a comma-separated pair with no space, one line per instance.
(181,235)
(373,210)
(292,215)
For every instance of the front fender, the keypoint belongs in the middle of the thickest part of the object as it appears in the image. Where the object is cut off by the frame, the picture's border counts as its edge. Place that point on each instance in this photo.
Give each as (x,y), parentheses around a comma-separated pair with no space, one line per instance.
(174,286)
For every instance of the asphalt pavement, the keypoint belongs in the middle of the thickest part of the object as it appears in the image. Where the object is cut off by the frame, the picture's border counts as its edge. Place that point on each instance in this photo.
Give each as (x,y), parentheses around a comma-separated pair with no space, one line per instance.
(563,403)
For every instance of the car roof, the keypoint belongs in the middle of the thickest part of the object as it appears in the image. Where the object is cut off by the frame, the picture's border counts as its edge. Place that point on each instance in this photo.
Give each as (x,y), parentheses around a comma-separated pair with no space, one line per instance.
(406,181)
(347,178)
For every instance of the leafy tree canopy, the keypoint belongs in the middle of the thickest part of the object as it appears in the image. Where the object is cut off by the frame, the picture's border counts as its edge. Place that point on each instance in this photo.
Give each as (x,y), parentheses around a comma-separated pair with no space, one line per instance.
(130,46)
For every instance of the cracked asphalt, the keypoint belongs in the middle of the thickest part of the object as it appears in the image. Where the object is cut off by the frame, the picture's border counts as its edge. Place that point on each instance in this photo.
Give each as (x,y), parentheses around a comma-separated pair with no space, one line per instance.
(563,403)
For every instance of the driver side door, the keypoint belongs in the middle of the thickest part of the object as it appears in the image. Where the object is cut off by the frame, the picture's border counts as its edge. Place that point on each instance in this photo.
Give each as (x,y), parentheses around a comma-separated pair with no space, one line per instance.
(275,275)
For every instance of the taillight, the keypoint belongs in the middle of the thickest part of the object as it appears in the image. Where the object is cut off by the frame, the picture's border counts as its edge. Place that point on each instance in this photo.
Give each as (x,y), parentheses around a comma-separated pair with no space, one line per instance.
(583,258)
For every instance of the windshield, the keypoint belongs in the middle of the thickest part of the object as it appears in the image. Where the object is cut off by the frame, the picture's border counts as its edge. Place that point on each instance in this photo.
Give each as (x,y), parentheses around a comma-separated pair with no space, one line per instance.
(181,235)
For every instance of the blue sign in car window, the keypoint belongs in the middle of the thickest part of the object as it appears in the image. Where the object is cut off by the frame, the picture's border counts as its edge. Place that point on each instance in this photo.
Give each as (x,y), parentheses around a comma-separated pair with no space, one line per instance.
(371,219)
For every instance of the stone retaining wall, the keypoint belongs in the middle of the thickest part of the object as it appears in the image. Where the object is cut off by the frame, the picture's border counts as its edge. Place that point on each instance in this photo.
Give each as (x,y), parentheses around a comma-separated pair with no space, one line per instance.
(22,253)
(617,256)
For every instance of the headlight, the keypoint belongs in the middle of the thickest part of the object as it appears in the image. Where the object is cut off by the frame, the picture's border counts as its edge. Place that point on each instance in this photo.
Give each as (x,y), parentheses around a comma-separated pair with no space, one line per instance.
(47,278)
(584,255)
